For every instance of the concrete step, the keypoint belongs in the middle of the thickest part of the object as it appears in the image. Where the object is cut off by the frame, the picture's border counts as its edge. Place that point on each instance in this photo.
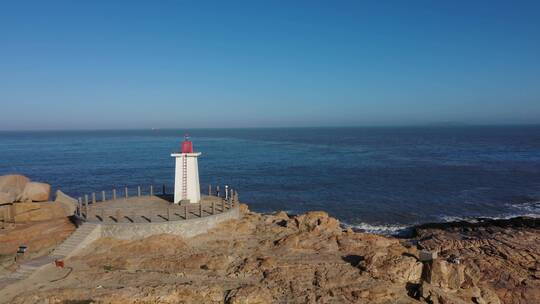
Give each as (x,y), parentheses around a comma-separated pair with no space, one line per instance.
(74,240)
(62,250)
(66,246)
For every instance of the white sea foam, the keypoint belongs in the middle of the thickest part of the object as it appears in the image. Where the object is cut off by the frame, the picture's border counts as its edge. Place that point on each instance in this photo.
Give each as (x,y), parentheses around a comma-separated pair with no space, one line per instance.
(378,229)
(476,219)
(449,218)
(530,207)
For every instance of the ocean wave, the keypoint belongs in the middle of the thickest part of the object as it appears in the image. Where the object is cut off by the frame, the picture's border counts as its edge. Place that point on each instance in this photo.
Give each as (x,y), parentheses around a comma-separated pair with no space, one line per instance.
(529,210)
(531,207)
(477,219)
(451,218)
(379,229)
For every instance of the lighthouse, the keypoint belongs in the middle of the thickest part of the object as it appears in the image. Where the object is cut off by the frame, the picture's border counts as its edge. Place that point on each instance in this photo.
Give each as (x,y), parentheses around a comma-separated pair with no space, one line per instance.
(186,180)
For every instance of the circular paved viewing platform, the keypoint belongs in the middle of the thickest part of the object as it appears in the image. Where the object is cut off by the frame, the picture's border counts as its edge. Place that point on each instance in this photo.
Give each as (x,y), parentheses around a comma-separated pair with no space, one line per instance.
(152,209)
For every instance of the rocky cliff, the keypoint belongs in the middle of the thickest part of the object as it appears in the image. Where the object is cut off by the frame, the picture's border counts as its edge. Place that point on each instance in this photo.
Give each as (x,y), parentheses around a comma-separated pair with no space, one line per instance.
(307,258)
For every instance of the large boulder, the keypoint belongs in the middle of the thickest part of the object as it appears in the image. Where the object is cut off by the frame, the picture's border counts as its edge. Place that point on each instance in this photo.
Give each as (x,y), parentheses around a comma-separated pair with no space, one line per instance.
(317,220)
(35,192)
(442,274)
(68,203)
(5,214)
(6,198)
(13,184)
(35,212)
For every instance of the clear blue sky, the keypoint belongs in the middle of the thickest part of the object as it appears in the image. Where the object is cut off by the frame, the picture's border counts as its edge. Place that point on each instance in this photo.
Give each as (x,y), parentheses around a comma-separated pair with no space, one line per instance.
(183,64)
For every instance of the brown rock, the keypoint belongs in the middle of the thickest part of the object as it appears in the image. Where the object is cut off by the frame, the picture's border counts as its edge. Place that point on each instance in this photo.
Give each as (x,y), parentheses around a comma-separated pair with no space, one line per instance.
(249,295)
(498,257)
(281,215)
(244,208)
(301,259)
(120,254)
(13,184)
(33,212)
(436,295)
(5,214)
(6,198)
(68,203)
(13,181)
(317,220)
(35,192)
(162,294)
(445,275)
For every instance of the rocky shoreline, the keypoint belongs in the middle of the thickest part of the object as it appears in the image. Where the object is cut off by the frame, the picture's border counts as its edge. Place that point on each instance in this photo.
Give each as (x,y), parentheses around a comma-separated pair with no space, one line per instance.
(478,223)
(282,258)
(504,253)
(305,258)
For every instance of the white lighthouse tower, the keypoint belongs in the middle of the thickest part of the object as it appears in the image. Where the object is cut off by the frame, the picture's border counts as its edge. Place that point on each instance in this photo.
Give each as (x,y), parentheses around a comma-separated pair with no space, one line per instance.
(186,180)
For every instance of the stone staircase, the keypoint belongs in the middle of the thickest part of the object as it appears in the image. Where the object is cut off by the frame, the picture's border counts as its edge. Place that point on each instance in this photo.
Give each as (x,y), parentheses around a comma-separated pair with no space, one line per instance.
(83,234)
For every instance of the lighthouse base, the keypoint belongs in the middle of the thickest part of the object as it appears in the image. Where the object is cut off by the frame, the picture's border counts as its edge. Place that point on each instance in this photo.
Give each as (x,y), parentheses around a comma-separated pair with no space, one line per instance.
(184,202)
(186,181)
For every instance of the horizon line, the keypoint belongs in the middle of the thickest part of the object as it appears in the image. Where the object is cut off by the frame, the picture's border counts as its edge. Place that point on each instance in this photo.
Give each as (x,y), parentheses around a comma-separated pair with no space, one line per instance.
(445,125)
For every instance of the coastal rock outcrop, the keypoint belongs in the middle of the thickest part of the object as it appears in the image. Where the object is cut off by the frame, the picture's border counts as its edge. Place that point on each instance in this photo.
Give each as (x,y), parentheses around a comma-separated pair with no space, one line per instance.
(252,294)
(24,201)
(489,260)
(68,203)
(35,192)
(6,198)
(35,212)
(308,258)
(11,187)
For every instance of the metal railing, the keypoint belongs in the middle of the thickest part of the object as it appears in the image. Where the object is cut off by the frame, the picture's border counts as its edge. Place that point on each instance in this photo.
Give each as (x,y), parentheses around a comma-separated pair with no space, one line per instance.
(91,208)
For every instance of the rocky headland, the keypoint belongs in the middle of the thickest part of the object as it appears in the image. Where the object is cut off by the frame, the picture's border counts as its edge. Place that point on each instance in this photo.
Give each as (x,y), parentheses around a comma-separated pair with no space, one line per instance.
(280,258)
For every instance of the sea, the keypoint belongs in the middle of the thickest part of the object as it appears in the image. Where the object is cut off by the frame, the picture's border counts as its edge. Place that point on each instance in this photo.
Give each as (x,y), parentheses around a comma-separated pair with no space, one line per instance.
(377,179)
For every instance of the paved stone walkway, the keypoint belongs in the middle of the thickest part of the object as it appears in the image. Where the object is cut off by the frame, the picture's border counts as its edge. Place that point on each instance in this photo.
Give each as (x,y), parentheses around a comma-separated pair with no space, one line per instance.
(27,268)
(152,209)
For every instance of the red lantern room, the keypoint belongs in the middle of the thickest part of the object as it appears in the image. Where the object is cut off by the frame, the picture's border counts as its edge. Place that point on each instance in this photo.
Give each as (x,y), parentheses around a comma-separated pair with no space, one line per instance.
(187,145)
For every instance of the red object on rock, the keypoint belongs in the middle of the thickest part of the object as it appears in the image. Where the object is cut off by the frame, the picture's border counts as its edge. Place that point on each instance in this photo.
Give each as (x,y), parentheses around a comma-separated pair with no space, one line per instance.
(187,146)
(59,263)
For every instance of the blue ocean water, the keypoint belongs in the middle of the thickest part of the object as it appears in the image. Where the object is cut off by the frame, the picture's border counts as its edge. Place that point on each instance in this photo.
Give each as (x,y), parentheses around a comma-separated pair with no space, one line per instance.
(370,177)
